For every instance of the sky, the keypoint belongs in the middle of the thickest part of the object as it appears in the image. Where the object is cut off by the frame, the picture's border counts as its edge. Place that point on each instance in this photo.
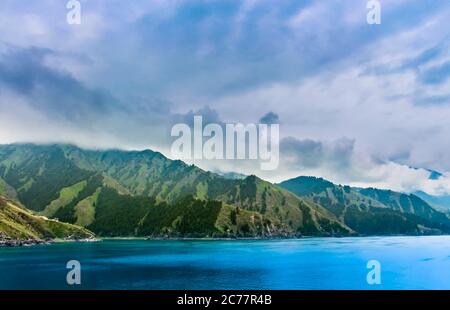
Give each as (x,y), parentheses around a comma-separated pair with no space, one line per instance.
(358,104)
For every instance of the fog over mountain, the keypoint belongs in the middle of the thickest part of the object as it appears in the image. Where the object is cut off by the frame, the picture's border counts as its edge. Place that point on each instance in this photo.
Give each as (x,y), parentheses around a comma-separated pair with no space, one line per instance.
(357,104)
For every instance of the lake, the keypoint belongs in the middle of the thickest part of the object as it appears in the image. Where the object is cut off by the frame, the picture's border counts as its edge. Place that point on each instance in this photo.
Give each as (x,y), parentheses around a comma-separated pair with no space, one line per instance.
(309,263)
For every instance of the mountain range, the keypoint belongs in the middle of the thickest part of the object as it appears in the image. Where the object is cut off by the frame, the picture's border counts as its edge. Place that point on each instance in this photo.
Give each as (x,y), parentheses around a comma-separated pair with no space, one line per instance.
(372,211)
(143,193)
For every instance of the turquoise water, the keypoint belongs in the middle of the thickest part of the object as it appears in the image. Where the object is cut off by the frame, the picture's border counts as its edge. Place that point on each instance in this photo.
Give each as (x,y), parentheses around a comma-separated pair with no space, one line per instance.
(316,263)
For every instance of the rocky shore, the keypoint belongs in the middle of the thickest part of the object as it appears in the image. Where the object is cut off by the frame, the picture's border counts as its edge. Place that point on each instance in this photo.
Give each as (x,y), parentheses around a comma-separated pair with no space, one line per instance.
(6,242)
(9,242)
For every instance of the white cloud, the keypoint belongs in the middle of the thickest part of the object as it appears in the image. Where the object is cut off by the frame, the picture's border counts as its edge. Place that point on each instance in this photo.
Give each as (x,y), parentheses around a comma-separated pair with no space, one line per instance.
(327,75)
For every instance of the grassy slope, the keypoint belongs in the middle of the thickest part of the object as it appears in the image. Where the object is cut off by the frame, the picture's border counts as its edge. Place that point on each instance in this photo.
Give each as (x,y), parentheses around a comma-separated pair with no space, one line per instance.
(440,203)
(6,190)
(66,195)
(282,207)
(371,211)
(38,173)
(148,174)
(122,215)
(50,178)
(85,209)
(18,223)
(406,203)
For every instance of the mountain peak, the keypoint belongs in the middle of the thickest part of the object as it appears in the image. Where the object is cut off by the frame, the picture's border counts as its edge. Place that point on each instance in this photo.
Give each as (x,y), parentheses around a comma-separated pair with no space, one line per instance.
(304,185)
(96,188)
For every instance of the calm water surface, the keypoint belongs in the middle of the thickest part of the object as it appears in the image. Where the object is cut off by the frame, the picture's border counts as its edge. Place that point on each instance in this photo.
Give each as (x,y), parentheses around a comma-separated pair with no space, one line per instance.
(316,263)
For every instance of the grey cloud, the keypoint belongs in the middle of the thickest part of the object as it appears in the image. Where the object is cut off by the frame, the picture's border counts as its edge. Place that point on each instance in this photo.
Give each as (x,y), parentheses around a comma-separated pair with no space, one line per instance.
(57,93)
(133,121)
(302,153)
(432,100)
(341,152)
(69,105)
(202,53)
(208,115)
(270,118)
(307,154)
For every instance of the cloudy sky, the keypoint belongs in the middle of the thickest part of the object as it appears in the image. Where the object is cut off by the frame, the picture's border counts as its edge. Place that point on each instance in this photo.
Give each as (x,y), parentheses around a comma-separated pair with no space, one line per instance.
(366,105)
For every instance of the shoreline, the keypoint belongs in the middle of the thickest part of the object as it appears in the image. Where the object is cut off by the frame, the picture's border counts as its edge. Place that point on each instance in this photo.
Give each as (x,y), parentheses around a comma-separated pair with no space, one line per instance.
(11,243)
(259,238)
(33,242)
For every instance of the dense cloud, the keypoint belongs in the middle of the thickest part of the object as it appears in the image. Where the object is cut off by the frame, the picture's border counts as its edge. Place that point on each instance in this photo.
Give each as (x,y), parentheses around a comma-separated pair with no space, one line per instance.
(57,93)
(270,118)
(356,103)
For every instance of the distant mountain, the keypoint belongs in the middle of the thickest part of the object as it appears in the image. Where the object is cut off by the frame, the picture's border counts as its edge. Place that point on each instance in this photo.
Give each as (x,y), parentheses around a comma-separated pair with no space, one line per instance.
(144,193)
(409,204)
(441,203)
(434,175)
(18,223)
(371,211)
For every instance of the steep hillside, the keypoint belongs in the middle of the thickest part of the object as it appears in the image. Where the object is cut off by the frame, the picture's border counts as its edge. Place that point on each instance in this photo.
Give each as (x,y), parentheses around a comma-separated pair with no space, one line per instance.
(371,211)
(409,204)
(281,206)
(440,203)
(69,184)
(18,223)
(38,173)
(122,215)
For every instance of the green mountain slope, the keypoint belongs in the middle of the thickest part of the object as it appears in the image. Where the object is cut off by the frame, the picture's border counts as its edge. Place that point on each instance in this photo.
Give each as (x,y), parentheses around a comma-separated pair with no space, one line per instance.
(121,215)
(38,173)
(371,211)
(18,223)
(280,206)
(76,185)
(409,204)
(440,203)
